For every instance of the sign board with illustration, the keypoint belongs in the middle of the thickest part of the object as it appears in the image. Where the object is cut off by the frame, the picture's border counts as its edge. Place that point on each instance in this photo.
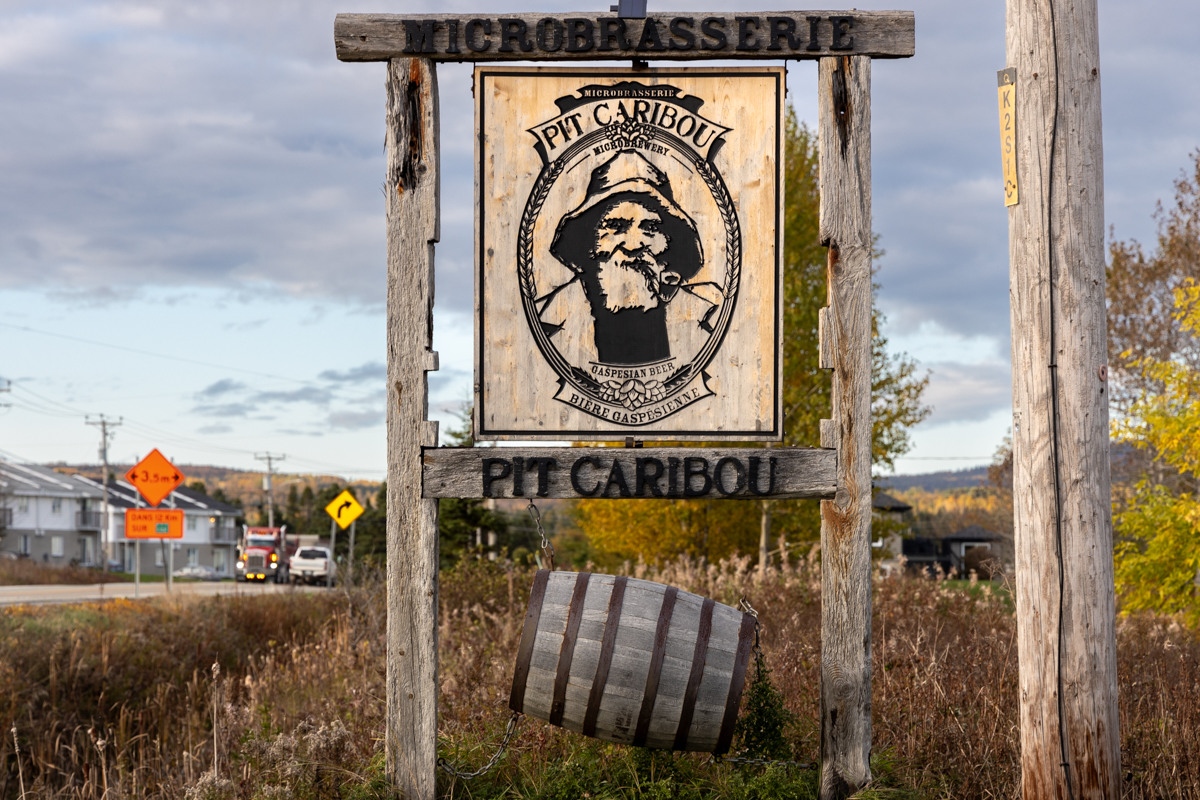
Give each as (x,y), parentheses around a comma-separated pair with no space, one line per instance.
(629,253)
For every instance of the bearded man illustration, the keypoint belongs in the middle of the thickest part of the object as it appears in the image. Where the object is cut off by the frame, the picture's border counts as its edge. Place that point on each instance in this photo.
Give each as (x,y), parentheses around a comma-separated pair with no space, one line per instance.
(634,253)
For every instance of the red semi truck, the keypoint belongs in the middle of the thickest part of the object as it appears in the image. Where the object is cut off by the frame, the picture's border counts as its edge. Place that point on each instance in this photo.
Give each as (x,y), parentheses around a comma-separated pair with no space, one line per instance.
(264,554)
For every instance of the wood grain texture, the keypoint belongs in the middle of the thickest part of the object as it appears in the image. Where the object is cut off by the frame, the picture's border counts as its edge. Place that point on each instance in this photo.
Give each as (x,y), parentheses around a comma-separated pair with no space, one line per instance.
(745,35)
(798,471)
(1061,476)
(412,192)
(844,97)
(640,634)
(572,345)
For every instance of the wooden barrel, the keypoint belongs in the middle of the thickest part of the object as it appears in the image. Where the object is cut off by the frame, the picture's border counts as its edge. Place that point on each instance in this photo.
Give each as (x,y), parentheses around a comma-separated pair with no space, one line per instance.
(633,662)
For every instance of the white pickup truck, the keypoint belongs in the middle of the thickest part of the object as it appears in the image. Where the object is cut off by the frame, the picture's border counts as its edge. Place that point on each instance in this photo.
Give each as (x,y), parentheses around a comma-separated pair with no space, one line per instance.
(312,565)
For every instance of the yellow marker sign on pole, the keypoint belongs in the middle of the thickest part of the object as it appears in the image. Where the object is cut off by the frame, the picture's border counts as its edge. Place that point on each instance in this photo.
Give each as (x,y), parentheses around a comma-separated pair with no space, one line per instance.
(344,509)
(1007,81)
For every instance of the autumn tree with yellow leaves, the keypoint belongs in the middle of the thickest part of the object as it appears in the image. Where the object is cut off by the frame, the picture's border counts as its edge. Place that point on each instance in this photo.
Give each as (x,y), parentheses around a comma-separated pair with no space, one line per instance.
(1158,552)
(661,529)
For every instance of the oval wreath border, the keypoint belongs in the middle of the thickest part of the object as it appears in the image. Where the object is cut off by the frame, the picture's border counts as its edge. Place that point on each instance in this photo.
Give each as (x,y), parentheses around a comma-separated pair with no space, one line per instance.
(733,257)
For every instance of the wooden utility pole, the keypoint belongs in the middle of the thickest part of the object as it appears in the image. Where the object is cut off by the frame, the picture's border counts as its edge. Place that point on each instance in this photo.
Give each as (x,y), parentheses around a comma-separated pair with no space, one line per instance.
(844,103)
(413,211)
(1070,743)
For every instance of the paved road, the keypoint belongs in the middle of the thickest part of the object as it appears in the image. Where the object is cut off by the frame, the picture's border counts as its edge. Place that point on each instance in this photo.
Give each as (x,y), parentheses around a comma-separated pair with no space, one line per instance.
(37,595)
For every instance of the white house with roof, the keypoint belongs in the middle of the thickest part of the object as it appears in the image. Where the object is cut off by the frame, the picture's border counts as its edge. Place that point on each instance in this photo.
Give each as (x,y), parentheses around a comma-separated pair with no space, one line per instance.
(48,516)
(210,531)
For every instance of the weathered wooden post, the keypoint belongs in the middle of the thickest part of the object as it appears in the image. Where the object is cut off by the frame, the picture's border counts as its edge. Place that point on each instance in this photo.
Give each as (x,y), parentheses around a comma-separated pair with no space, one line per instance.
(1070,744)
(845,160)
(413,208)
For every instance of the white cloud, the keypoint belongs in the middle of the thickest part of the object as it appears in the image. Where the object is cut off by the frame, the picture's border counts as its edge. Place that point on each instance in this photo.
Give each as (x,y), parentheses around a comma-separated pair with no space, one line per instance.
(153,151)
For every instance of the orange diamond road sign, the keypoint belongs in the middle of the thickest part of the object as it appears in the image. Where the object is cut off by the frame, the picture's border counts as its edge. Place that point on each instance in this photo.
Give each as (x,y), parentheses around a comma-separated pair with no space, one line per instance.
(153,523)
(155,477)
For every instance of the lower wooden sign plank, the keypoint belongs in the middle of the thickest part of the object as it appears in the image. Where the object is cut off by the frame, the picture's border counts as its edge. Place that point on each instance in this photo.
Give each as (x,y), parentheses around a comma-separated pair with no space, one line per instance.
(628,472)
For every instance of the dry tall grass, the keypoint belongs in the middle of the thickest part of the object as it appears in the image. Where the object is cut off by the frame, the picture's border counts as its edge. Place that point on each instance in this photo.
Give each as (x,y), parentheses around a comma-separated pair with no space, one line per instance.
(117,700)
(27,572)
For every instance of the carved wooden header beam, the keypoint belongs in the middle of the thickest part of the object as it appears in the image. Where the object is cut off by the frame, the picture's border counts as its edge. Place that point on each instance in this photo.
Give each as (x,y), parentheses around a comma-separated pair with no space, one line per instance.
(584,37)
(619,472)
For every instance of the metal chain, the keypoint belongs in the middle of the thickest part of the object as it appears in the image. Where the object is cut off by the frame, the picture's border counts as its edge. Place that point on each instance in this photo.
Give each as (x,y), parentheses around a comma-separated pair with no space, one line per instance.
(749,609)
(767,762)
(547,548)
(469,774)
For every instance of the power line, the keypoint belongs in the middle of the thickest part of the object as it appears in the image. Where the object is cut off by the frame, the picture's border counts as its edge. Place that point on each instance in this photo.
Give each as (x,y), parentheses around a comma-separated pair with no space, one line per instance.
(182,359)
(943,458)
(55,408)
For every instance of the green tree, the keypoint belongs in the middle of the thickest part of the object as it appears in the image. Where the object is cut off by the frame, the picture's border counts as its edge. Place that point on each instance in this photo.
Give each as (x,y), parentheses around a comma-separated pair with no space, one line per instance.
(462,520)
(291,509)
(308,509)
(370,544)
(658,529)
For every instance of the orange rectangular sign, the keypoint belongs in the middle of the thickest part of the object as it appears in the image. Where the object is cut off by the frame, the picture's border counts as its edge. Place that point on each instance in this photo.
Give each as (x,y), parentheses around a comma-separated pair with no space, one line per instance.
(153,523)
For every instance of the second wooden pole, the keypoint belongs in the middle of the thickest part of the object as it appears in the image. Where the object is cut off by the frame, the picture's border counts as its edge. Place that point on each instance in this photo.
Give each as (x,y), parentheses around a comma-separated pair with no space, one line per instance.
(1070,742)
(845,160)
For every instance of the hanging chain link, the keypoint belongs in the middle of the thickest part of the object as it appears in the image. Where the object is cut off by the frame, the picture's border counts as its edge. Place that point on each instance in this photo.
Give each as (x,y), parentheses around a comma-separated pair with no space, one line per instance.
(445,765)
(763,762)
(467,775)
(547,548)
(749,609)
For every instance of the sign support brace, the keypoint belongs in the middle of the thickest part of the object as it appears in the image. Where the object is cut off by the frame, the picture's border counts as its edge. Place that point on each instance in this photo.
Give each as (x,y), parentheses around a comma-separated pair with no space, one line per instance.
(413,226)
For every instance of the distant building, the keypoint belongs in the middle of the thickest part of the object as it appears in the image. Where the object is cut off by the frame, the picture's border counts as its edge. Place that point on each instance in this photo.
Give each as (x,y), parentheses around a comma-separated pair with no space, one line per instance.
(890,522)
(49,517)
(210,530)
(57,519)
(958,551)
(884,502)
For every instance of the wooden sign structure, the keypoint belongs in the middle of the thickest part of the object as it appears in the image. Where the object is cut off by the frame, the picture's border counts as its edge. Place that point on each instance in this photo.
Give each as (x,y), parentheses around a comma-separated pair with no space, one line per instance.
(539,257)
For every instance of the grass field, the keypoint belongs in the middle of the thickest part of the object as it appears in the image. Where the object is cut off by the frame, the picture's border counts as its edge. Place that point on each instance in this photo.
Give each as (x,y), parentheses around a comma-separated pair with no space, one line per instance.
(120,699)
(27,572)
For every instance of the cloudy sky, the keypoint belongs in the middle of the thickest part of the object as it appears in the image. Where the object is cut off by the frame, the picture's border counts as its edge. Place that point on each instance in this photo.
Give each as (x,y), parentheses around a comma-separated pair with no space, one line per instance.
(192,232)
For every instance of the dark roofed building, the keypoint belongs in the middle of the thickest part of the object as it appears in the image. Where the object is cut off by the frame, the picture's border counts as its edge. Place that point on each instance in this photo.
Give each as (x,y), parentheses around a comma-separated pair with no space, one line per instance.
(885,502)
(953,551)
